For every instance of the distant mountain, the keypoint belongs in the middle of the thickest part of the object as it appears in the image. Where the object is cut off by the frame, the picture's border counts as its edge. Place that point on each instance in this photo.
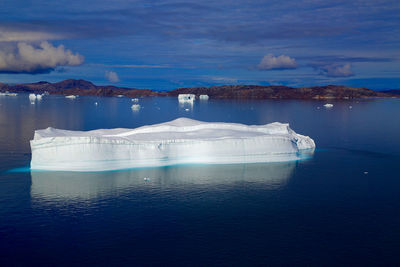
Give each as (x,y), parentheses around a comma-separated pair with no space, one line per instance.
(281,92)
(392,91)
(76,87)
(82,87)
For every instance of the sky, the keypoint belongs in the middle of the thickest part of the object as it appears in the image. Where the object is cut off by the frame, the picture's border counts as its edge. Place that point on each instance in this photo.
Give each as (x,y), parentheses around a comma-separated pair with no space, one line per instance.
(163,45)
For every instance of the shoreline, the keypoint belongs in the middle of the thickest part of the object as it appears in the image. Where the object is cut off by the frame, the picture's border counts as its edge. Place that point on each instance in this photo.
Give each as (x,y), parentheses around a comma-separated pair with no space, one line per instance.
(86,88)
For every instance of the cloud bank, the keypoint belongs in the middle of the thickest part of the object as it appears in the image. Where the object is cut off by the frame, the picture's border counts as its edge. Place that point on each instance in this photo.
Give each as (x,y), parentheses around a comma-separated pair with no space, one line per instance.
(336,70)
(26,58)
(271,62)
(25,35)
(112,76)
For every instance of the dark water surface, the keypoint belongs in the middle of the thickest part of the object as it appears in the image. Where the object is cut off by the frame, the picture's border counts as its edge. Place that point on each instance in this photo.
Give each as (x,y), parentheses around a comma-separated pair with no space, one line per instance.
(341,207)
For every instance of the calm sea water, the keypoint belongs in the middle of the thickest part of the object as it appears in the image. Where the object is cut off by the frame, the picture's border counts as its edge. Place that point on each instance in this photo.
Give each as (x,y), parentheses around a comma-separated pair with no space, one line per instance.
(341,207)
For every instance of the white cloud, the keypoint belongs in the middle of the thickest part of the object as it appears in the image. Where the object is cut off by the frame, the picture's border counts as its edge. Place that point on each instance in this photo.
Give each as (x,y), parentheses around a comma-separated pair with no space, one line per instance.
(112,76)
(224,79)
(336,70)
(26,58)
(7,35)
(271,62)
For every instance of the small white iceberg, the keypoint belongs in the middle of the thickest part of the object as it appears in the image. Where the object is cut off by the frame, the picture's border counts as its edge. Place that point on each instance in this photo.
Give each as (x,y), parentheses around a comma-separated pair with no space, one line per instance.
(7,93)
(181,141)
(120,95)
(203,97)
(328,105)
(39,97)
(135,100)
(135,107)
(186,97)
(70,96)
(32,97)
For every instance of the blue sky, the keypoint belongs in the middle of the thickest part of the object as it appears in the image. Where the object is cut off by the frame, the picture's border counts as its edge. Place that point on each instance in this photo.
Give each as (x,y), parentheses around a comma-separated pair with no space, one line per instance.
(169,44)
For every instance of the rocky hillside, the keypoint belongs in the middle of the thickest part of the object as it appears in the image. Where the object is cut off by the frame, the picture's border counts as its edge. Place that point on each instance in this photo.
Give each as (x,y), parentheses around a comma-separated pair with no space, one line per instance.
(281,92)
(82,87)
(76,87)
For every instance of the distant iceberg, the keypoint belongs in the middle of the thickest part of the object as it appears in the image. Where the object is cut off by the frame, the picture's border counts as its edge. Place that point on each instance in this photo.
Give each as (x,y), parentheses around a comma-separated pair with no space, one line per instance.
(328,105)
(7,93)
(70,96)
(135,107)
(203,97)
(32,97)
(186,97)
(181,141)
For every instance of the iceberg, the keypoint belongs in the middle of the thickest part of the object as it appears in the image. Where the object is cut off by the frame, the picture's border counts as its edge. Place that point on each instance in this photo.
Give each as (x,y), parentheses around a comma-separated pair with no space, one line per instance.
(203,97)
(135,107)
(32,97)
(7,93)
(70,96)
(328,105)
(186,97)
(181,141)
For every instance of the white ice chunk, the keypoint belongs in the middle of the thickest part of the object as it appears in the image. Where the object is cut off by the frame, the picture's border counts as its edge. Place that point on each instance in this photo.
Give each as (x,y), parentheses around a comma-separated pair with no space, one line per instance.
(186,97)
(39,97)
(328,105)
(70,96)
(176,142)
(135,107)
(32,97)
(135,100)
(7,93)
(203,97)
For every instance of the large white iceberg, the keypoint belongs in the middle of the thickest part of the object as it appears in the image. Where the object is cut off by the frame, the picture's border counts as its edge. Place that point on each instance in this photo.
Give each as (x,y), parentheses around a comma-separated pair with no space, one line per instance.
(180,141)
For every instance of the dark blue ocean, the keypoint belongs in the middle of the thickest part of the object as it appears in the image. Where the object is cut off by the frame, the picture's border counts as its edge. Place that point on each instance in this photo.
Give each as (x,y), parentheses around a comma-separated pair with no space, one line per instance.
(340,207)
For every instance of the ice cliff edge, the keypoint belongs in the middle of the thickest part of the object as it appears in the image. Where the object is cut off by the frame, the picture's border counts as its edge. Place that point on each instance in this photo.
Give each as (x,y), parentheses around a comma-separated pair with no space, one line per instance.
(176,142)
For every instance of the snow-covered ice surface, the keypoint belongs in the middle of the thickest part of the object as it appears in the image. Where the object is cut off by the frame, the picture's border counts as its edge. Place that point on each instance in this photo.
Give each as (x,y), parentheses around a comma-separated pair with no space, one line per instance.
(181,141)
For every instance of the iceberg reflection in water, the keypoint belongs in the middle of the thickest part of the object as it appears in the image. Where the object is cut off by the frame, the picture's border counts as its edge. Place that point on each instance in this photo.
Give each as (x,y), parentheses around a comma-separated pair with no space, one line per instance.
(54,186)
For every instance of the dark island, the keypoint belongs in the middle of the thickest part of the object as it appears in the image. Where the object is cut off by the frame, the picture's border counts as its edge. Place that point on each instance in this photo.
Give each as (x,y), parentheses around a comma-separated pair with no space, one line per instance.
(82,87)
